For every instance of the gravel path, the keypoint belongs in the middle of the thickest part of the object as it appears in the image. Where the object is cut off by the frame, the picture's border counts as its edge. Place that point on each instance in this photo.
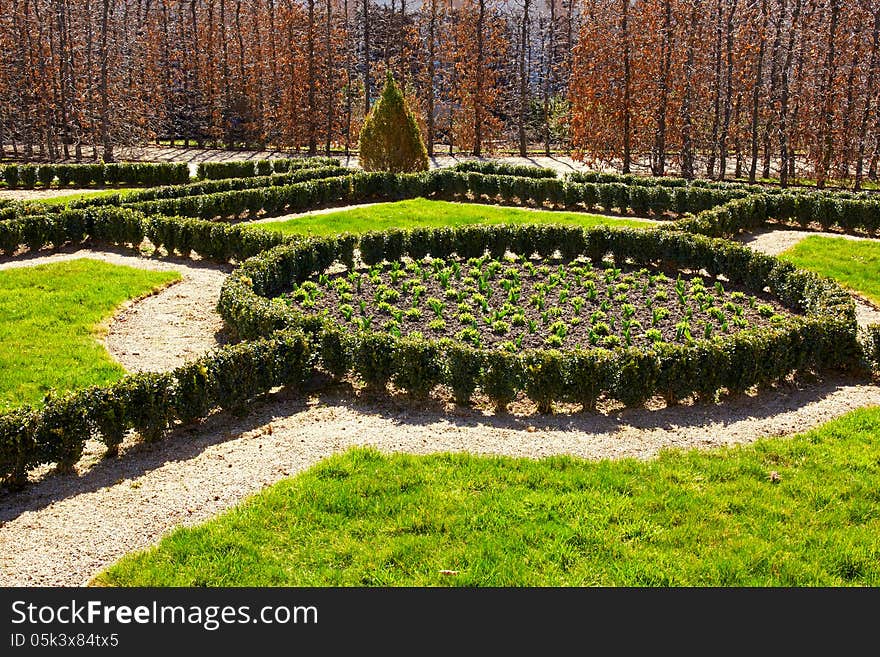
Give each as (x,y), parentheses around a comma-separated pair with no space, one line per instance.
(774,241)
(63,529)
(161,331)
(37,194)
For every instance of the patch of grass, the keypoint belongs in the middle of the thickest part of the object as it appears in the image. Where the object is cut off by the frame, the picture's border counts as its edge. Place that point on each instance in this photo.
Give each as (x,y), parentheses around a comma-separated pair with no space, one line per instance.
(50,319)
(421,212)
(65,199)
(853,263)
(684,519)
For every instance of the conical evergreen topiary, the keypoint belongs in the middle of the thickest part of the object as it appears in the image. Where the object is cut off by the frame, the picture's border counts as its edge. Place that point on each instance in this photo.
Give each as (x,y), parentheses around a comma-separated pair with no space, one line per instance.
(390,139)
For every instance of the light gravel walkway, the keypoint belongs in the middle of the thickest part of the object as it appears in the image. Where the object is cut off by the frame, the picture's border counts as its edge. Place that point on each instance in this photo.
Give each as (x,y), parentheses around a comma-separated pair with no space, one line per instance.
(774,241)
(39,194)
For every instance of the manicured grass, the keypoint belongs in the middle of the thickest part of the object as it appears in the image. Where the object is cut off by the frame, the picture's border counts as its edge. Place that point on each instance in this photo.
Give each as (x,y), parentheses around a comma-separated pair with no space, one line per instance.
(62,200)
(684,519)
(50,318)
(421,212)
(853,263)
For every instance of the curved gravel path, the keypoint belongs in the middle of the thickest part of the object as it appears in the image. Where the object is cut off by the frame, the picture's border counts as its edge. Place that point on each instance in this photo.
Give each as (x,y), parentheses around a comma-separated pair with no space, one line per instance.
(63,529)
(163,330)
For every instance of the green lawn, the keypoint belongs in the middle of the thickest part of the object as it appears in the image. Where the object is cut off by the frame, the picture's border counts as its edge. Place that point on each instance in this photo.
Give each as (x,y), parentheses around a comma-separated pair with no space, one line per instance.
(64,199)
(854,263)
(421,212)
(684,519)
(50,318)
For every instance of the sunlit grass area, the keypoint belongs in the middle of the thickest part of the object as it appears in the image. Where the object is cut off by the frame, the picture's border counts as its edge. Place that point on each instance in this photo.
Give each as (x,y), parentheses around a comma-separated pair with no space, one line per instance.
(853,263)
(802,511)
(421,212)
(51,317)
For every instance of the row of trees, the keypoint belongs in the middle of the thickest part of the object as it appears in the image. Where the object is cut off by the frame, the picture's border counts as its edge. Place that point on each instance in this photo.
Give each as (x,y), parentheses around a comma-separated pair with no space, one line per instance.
(714,87)
(747,87)
(287,73)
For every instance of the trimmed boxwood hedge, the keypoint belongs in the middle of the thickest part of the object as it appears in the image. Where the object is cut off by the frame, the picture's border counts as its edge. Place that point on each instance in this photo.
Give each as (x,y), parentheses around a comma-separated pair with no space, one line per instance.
(149,403)
(873,345)
(127,227)
(286,345)
(504,169)
(823,337)
(251,168)
(86,175)
(850,213)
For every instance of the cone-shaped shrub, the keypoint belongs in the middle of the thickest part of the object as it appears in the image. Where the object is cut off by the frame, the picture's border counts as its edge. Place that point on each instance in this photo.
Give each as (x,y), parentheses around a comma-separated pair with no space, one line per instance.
(390,139)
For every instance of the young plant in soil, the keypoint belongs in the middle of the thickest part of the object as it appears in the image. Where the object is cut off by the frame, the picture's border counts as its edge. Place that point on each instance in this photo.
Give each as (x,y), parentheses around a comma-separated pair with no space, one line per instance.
(517,304)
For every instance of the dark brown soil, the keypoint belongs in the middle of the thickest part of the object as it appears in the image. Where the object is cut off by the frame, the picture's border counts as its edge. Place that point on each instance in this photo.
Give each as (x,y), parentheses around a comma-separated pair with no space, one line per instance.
(523,323)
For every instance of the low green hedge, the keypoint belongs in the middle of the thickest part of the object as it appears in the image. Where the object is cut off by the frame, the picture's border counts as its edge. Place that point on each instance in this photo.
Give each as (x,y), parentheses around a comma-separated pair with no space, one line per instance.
(873,345)
(212,187)
(149,403)
(504,169)
(850,213)
(824,337)
(444,184)
(127,227)
(251,168)
(86,175)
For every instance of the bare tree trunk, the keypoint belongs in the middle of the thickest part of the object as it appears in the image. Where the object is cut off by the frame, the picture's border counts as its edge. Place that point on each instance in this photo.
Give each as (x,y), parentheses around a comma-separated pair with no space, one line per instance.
(826,136)
(869,95)
(807,10)
(432,36)
(756,93)
(549,73)
(328,80)
(847,140)
(687,127)
(349,79)
(366,10)
(64,75)
(728,95)
(775,72)
(785,86)
(716,114)
(310,38)
(658,157)
(627,88)
(478,93)
(261,88)
(103,90)
(523,78)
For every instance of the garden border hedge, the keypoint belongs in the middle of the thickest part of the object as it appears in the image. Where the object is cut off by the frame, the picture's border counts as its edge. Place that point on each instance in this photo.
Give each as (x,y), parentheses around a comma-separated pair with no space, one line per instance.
(27,176)
(251,168)
(118,226)
(825,337)
(150,403)
(851,213)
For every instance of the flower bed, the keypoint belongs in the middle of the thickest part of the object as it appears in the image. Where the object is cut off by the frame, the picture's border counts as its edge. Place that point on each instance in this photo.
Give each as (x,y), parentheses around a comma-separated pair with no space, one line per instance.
(516,303)
(818,330)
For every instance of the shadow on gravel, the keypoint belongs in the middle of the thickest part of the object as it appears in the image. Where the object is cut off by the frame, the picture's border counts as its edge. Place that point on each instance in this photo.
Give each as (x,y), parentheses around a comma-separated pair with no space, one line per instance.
(181,444)
(88,246)
(782,398)
(184,443)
